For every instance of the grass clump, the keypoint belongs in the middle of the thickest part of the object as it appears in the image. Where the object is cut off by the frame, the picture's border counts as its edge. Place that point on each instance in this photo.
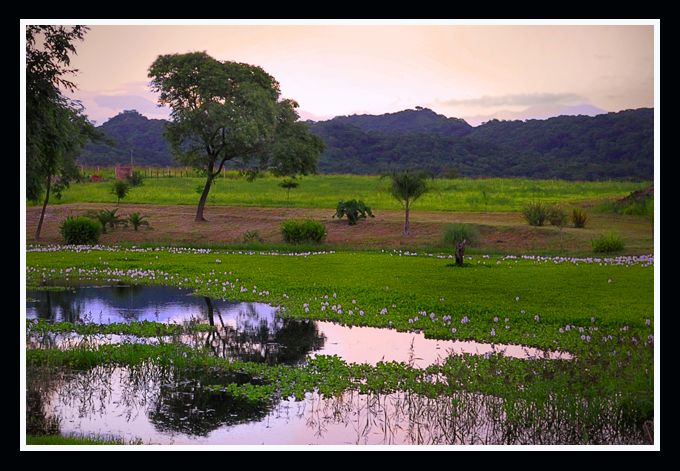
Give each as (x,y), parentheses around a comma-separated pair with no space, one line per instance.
(579,217)
(458,232)
(535,213)
(608,243)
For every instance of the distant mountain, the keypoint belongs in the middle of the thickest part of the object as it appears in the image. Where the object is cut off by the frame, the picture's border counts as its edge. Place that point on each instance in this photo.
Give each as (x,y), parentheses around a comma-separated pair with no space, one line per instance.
(613,145)
(421,120)
(130,130)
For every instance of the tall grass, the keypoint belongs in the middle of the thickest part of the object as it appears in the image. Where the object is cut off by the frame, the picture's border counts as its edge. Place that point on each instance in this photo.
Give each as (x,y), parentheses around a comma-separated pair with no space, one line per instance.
(324,191)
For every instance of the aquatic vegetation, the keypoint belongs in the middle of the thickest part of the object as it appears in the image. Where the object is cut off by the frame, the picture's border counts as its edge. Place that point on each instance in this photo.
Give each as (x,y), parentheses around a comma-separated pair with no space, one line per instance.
(139,329)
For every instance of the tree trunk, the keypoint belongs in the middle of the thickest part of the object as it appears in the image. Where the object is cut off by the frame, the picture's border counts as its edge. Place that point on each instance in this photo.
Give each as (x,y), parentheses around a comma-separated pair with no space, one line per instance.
(407,221)
(204,197)
(460,252)
(42,213)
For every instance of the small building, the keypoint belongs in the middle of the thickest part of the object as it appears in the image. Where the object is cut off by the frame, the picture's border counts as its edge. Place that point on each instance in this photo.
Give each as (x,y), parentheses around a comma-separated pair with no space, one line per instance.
(123,171)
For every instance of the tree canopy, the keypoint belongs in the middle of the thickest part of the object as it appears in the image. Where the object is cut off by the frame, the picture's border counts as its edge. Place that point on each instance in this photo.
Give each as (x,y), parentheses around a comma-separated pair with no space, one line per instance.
(224,111)
(56,127)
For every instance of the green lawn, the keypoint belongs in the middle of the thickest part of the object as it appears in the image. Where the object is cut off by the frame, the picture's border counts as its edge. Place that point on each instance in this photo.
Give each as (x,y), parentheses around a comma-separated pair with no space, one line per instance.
(324,191)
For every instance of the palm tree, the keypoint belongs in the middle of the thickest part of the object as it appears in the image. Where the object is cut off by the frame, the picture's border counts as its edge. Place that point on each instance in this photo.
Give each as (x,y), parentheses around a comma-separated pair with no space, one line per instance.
(406,188)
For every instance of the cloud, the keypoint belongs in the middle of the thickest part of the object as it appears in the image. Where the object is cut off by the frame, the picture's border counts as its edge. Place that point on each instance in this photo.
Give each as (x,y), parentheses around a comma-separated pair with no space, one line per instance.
(102,105)
(537,112)
(127,102)
(529,99)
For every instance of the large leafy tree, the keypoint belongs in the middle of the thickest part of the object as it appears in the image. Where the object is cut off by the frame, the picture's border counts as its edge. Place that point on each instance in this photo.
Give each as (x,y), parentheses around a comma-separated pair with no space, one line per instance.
(56,127)
(407,187)
(224,111)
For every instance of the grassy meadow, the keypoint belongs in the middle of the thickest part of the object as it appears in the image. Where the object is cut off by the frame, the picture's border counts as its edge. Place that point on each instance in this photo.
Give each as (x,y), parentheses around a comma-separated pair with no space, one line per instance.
(324,191)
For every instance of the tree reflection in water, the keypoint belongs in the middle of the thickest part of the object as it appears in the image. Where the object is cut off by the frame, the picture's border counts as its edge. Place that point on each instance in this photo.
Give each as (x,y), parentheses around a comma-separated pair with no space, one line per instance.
(259,337)
(177,402)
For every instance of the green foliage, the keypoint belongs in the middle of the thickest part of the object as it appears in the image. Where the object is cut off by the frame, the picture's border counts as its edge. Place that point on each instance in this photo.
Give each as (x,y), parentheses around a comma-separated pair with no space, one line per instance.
(639,207)
(579,217)
(353,209)
(136,220)
(226,110)
(457,232)
(407,187)
(107,217)
(288,184)
(535,213)
(135,179)
(120,189)
(608,243)
(298,231)
(137,328)
(252,237)
(80,231)
(557,216)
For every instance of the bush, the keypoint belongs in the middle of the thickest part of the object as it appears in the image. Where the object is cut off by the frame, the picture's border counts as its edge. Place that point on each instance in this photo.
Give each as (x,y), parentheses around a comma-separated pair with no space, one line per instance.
(136,220)
(80,230)
(557,216)
(252,236)
(608,243)
(303,230)
(535,213)
(353,209)
(135,179)
(107,217)
(455,233)
(579,217)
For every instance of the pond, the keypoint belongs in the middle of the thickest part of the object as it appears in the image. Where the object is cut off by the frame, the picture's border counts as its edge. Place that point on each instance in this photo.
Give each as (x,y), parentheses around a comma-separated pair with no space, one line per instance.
(158,406)
(166,405)
(254,331)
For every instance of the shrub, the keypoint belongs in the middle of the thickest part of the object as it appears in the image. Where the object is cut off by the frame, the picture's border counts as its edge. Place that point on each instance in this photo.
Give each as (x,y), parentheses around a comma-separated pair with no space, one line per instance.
(353,209)
(303,230)
(252,236)
(535,213)
(557,216)
(120,188)
(137,220)
(608,243)
(135,179)
(80,230)
(459,235)
(579,217)
(107,217)
(456,233)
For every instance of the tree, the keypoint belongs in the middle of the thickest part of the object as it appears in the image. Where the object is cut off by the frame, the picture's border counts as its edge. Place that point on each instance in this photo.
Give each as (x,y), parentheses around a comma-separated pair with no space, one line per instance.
(56,128)
(288,184)
(224,111)
(120,188)
(406,188)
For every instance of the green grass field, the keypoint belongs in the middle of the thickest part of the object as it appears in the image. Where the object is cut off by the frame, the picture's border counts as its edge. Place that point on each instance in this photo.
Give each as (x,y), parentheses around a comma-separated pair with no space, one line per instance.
(558,293)
(324,191)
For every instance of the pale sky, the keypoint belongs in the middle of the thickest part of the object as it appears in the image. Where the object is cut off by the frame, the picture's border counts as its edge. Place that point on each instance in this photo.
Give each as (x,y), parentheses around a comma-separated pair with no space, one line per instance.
(470,72)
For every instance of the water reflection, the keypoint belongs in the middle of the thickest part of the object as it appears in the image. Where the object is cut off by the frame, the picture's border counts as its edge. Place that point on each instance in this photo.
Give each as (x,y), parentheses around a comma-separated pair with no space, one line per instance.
(166,406)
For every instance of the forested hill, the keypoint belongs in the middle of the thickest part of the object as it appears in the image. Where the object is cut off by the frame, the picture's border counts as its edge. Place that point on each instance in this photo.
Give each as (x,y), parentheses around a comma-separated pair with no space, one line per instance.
(613,145)
(130,130)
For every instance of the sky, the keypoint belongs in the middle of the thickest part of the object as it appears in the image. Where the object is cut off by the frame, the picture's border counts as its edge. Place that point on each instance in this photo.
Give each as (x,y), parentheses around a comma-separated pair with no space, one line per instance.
(472,72)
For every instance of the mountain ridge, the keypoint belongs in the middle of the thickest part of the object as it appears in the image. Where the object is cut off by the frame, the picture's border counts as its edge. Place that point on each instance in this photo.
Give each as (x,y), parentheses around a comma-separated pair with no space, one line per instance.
(615,145)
